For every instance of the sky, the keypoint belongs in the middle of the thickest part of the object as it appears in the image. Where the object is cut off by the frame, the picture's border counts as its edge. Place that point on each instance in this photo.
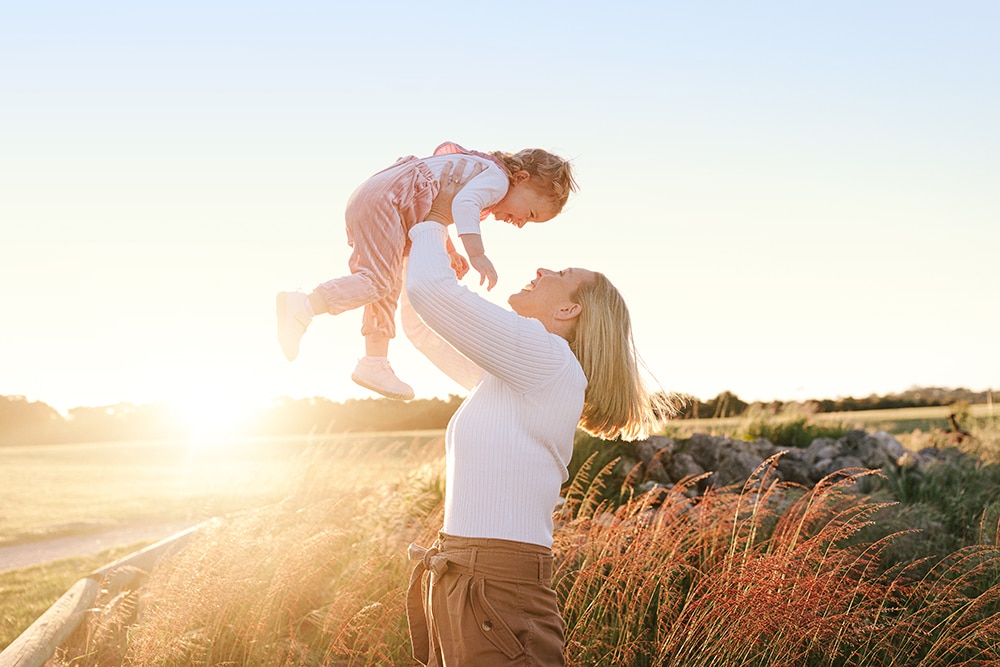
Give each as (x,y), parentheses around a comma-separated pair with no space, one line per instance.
(798,200)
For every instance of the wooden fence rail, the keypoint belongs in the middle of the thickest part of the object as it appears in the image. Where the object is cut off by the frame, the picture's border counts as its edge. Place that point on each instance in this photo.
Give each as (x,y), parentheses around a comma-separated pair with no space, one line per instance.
(36,645)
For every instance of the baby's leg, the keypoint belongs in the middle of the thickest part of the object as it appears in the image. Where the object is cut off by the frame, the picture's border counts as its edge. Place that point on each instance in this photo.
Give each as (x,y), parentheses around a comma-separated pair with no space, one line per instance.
(377,345)
(376,233)
(378,327)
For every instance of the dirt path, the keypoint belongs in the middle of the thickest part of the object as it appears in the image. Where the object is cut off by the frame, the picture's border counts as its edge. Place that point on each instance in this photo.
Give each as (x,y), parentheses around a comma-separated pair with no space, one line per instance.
(36,553)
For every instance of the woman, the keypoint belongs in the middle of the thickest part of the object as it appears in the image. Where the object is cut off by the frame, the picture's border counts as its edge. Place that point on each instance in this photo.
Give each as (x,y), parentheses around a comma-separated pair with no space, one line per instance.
(564,357)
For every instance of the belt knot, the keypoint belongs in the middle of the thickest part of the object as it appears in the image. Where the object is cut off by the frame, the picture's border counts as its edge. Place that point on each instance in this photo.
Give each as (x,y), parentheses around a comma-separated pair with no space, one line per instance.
(429,557)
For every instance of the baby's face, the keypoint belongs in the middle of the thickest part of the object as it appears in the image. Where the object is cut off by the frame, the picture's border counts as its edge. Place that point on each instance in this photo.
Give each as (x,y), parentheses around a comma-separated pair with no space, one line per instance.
(523,204)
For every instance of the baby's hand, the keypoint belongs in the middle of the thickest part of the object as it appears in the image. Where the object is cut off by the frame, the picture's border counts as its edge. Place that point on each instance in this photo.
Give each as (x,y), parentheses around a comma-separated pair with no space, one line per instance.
(484,266)
(458,264)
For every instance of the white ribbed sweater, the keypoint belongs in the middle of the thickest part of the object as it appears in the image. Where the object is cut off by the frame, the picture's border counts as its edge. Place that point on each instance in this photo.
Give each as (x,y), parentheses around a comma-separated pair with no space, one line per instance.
(510,441)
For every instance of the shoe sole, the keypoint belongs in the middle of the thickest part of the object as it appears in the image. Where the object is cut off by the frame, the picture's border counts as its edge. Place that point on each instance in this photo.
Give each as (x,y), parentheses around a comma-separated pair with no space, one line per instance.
(281,306)
(387,394)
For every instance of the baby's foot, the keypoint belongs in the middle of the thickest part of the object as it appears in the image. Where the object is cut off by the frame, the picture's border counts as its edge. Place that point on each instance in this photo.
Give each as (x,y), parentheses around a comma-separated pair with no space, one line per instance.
(293,318)
(378,376)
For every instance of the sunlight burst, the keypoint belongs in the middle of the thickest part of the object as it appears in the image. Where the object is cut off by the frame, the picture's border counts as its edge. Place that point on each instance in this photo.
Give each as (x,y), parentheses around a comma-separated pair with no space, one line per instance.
(211,417)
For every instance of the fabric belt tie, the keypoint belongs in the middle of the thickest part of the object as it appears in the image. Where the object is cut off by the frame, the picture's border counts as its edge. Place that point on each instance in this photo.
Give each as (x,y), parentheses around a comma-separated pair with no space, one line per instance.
(428,560)
(535,568)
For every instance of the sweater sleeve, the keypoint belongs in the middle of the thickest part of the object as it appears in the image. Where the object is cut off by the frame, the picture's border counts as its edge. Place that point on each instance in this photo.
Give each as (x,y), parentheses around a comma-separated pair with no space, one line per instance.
(481,193)
(517,350)
(452,362)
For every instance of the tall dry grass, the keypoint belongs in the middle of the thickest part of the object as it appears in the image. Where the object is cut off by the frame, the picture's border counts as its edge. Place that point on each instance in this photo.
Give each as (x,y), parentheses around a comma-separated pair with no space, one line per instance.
(316,579)
(770,574)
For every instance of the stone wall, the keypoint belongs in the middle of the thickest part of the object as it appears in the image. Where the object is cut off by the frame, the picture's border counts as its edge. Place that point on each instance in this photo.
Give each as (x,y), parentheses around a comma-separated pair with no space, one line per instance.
(663,461)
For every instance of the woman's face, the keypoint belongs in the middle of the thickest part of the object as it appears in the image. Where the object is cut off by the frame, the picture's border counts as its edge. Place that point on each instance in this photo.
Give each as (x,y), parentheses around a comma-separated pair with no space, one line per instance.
(549,293)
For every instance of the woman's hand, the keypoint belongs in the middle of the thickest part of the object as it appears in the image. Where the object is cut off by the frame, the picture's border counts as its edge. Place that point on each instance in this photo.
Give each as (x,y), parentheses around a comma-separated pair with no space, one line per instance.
(452,180)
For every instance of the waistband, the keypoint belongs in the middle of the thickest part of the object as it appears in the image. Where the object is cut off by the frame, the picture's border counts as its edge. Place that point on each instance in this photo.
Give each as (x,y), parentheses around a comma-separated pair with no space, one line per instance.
(488,557)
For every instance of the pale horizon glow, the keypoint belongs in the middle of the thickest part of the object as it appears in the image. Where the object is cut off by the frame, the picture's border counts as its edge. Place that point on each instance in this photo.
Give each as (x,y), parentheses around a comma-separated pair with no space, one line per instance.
(796,201)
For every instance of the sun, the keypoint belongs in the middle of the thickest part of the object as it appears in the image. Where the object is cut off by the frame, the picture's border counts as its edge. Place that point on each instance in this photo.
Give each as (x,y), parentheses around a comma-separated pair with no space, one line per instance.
(211,418)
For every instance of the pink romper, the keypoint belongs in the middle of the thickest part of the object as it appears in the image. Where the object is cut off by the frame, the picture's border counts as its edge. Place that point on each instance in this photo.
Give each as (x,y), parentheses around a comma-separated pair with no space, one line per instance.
(379,216)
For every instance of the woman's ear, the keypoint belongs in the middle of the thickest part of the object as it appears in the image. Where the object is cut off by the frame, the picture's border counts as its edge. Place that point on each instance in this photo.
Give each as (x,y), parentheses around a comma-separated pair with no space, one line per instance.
(569,312)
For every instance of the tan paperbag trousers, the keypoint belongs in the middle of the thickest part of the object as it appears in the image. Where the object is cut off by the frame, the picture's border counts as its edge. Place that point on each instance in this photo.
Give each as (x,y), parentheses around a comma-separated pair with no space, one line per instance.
(484,603)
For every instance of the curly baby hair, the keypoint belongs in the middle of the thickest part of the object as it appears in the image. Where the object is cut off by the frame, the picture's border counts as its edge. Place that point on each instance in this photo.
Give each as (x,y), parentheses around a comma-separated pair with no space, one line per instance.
(555,173)
(617,403)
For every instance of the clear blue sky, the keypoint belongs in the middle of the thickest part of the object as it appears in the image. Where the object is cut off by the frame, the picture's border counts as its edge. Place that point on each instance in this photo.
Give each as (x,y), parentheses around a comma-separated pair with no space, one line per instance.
(798,200)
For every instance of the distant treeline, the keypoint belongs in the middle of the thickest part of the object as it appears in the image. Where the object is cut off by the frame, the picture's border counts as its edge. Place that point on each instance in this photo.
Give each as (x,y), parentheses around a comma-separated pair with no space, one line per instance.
(33,422)
(728,404)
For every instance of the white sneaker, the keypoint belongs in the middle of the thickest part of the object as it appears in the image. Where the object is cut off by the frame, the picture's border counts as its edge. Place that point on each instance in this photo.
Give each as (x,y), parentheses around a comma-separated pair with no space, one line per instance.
(293,318)
(378,376)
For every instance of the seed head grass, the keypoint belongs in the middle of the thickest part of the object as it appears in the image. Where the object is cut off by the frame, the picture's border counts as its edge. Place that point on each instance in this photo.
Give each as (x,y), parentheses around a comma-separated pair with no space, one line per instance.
(768,573)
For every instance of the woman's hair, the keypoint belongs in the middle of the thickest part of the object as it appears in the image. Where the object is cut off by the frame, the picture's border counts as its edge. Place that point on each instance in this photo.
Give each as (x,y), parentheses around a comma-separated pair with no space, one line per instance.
(617,403)
(555,175)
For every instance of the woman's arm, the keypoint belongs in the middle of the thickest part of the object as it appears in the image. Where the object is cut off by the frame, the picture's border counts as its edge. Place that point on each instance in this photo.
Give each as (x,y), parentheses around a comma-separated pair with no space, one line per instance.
(454,364)
(518,350)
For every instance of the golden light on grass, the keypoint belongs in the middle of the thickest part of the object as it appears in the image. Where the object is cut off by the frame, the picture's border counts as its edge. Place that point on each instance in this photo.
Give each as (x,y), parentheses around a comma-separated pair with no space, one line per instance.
(770,574)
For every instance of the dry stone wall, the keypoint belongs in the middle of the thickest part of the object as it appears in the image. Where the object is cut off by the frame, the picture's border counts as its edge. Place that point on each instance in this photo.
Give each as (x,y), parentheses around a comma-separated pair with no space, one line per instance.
(663,461)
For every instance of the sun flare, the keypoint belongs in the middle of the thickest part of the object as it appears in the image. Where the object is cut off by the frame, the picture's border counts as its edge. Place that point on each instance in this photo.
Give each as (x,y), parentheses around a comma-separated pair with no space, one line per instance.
(211,417)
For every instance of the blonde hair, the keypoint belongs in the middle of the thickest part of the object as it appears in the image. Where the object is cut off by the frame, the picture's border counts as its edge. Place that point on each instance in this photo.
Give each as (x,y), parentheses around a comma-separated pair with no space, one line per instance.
(617,403)
(555,175)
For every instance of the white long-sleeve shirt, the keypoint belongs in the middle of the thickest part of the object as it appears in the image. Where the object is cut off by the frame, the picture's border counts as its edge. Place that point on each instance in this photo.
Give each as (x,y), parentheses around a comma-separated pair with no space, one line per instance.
(481,192)
(509,443)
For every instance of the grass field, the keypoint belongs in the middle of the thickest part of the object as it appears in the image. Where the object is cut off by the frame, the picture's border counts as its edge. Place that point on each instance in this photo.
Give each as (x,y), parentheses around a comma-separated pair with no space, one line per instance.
(773,575)
(58,490)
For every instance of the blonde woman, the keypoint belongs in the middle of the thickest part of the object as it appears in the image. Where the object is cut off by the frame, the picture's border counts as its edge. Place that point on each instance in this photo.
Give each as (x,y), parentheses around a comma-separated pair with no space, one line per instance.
(482,595)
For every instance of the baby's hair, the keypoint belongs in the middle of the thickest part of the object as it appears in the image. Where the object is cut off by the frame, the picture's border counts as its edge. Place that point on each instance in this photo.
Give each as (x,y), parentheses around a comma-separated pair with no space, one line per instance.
(555,173)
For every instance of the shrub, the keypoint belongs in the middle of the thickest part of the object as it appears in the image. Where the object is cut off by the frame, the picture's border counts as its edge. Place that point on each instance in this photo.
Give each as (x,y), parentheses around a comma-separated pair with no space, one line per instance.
(954,500)
(799,432)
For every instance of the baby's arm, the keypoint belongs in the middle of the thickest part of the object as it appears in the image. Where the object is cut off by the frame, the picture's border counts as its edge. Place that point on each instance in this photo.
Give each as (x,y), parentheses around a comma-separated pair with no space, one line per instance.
(487,185)
(443,211)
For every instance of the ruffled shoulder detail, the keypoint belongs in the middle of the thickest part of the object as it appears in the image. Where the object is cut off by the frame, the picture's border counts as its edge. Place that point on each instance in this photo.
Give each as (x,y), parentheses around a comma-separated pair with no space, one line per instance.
(449,148)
